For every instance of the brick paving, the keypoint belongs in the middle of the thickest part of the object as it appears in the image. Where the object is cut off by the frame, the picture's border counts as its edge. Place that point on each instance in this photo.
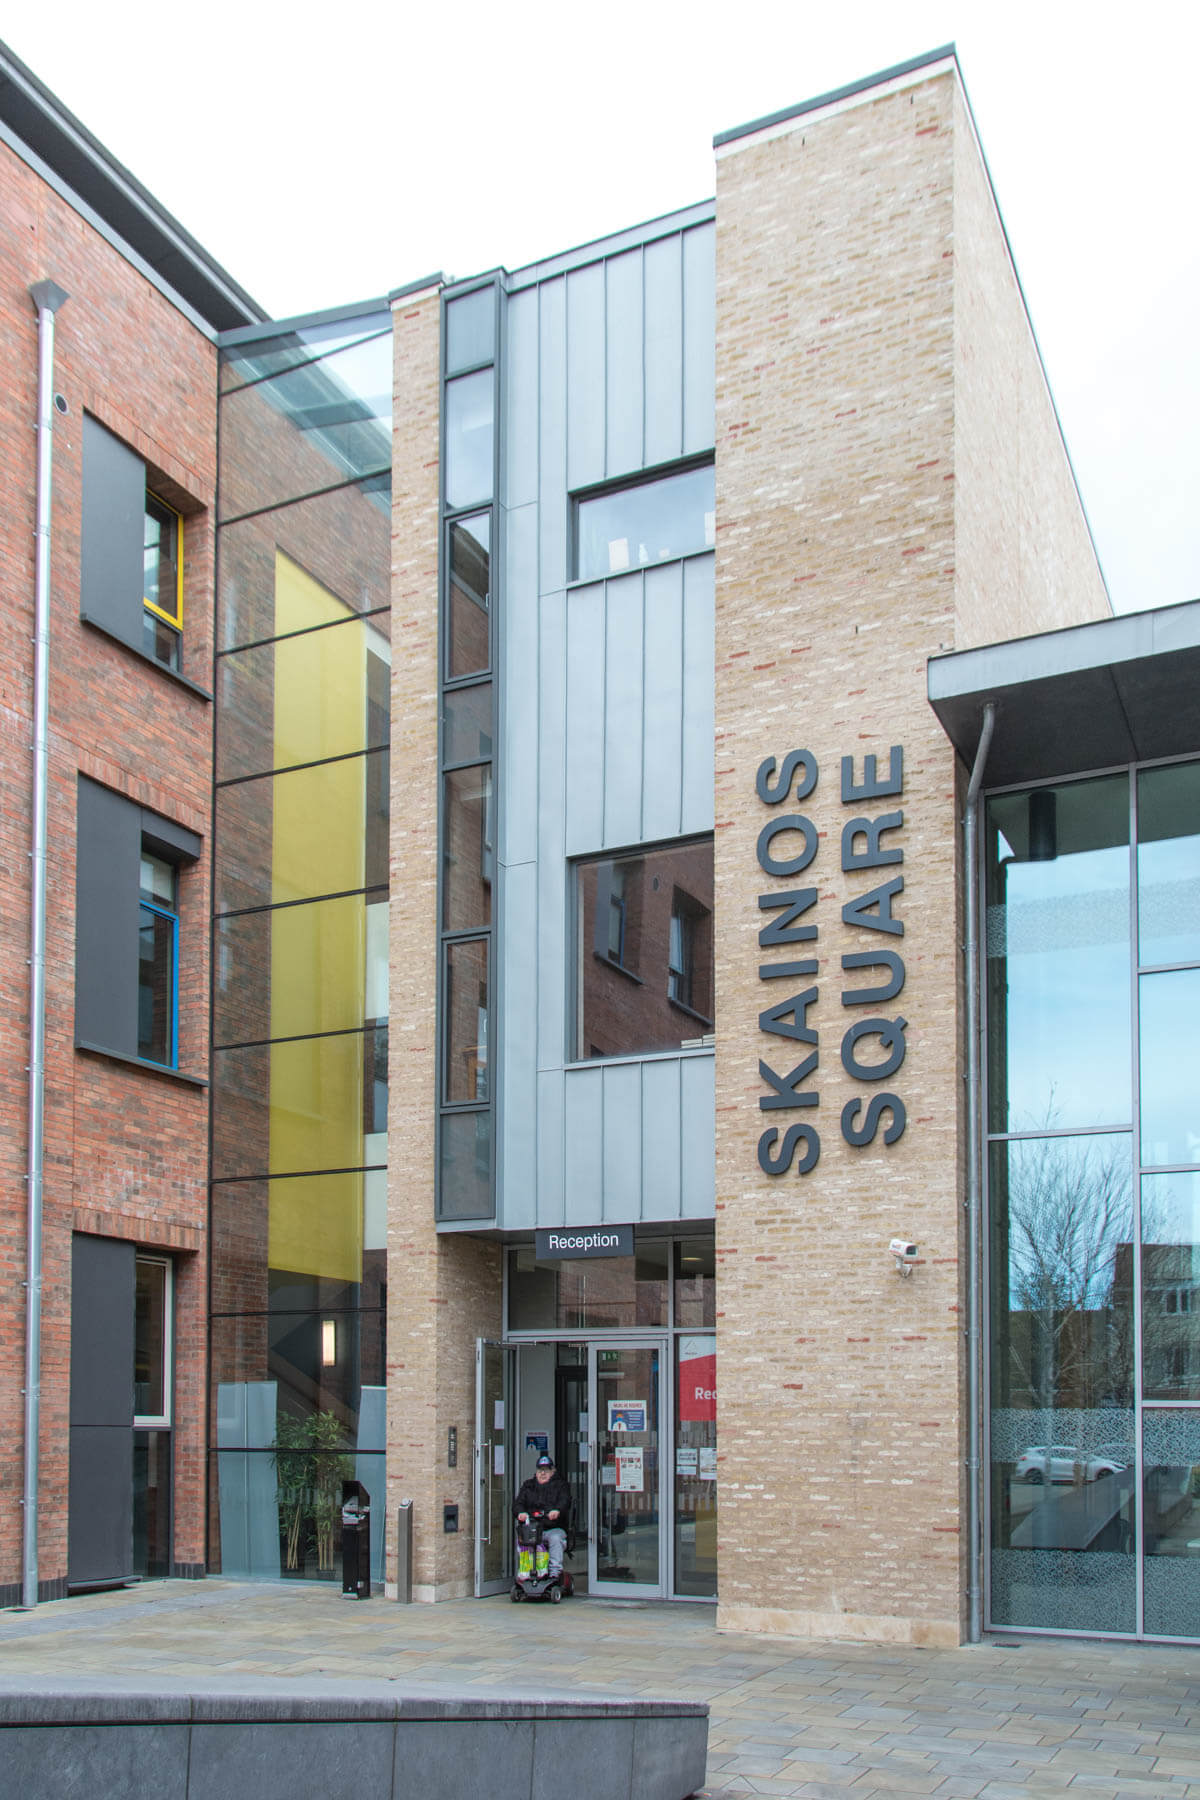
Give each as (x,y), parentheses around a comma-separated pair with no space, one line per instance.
(789,1717)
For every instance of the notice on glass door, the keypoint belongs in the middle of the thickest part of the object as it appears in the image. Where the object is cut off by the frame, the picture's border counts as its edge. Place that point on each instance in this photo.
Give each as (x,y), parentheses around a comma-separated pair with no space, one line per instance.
(686,1460)
(630,1471)
(708,1462)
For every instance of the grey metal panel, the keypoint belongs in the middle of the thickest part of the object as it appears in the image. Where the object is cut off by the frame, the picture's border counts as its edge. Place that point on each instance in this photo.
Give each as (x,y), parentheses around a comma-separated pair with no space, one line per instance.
(550,996)
(583,1146)
(699,338)
(660,1139)
(664,350)
(552,417)
(623,1125)
(698,701)
(662,804)
(100,1490)
(623,278)
(517,766)
(551,1138)
(517,1146)
(623,651)
(519,461)
(697,1137)
(107,877)
(584,719)
(112,530)
(102,1306)
(585,376)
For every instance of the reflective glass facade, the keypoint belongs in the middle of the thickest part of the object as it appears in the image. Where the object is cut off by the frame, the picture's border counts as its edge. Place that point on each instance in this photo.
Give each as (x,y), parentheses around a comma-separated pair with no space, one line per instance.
(1093,981)
(300,1001)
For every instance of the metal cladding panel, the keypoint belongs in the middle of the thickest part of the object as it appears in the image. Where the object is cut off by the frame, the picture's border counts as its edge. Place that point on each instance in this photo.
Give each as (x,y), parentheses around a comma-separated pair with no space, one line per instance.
(107,877)
(623,1127)
(623,709)
(102,1316)
(548,1205)
(549,998)
(519,657)
(697,1137)
(583,1144)
(585,376)
(660,1138)
(552,446)
(519,458)
(624,363)
(518,1029)
(112,530)
(662,728)
(699,338)
(583,720)
(699,596)
(663,279)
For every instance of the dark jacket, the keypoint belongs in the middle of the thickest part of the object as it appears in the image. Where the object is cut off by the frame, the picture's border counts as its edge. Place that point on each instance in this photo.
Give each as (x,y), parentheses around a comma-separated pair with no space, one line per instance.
(552,1496)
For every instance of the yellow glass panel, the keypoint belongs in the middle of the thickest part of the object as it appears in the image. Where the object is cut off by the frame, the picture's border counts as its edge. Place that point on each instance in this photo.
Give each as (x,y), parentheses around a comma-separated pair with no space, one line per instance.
(302,601)
(318,967)
(320,829)
(316,1226)
(316,1122)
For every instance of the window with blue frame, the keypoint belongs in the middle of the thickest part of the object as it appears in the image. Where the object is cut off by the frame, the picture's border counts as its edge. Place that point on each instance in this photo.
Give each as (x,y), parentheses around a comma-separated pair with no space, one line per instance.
(158,962)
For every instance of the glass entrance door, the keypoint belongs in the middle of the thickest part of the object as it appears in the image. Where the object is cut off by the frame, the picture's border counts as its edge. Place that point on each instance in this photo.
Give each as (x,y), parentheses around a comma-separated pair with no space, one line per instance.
(626,1548)
(493,1438)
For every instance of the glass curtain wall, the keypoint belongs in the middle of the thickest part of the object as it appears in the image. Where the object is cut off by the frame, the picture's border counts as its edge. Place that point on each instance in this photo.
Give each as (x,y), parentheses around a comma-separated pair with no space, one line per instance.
(300,943)
(468,707)
(1093,979)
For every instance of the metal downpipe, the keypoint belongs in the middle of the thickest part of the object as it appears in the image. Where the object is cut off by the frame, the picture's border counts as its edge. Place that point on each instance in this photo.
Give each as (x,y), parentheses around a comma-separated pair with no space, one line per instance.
(974,1181)
(47,297)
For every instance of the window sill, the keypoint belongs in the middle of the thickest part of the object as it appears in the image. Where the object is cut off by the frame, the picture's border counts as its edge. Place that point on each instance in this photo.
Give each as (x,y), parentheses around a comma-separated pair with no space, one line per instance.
(606,962)
(152,662)
(139,1062)
(689,1012)
(665,562)
(687,1051)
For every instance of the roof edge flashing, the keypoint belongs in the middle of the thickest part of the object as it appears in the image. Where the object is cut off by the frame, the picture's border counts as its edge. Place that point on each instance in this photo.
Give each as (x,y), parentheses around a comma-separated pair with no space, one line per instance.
(901,74)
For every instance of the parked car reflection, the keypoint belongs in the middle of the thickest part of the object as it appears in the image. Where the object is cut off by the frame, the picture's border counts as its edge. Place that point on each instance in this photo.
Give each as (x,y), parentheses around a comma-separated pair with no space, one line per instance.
(1068,1463)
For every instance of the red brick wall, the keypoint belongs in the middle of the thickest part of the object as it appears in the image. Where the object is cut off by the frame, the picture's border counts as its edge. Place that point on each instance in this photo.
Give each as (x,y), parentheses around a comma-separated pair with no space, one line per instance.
(126,1149)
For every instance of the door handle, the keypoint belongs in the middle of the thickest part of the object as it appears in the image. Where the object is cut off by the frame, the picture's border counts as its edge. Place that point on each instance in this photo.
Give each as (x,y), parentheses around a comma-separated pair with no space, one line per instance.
(487,1484)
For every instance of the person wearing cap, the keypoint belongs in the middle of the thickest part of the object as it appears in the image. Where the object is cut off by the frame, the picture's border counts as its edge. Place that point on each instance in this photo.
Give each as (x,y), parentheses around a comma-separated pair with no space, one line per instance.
(545,1493)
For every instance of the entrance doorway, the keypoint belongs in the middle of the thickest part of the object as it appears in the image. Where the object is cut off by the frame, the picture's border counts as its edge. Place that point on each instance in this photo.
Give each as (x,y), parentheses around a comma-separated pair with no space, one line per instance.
(601,1410)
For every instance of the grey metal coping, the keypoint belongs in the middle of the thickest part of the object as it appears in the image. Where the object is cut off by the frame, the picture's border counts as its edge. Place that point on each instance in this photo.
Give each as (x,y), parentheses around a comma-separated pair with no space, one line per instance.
(843,93)
(37,118)
(1086,697)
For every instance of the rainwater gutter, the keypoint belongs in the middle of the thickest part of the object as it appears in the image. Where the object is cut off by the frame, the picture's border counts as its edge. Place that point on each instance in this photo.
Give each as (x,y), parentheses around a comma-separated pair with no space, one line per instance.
(974,1199)
(47,297)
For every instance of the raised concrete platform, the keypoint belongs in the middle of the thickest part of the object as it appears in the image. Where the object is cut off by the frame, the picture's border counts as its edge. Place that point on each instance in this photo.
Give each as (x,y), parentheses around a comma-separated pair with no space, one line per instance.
(282,1740)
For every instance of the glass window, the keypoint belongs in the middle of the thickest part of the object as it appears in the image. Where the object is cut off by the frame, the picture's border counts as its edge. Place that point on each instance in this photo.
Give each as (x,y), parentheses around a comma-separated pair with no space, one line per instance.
(469,412)
(589,1293)
(696,1464)
(152,1342)
(695,1282)
(650,522)
(465,1015)
(162,589)
(1169,864)
(1171,1502)
(467,724)
(158,963)
(1170,1068)
(1062,1371)
(1171,1286)
(291,1107)
(468,648)
(467,854)
(470,330)
(319,1237)
(645,951)
(297,970)
(340,541)
(299,835)
(1058,957)
(304,698)
(465,1173)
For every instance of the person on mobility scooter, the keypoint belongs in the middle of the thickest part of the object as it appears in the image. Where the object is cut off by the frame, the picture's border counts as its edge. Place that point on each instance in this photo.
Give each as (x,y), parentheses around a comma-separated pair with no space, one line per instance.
(542,1510)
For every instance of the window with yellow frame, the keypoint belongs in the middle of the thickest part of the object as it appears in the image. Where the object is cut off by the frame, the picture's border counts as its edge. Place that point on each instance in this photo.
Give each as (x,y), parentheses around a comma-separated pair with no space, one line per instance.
(162,589)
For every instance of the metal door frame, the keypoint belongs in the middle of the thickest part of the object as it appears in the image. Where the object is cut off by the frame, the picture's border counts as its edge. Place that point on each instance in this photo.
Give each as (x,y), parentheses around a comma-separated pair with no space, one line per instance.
(488,1519)
(631,1590)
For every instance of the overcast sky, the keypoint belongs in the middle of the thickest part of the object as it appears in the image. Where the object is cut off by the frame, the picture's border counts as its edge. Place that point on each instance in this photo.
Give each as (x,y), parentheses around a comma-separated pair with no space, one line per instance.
(326,154)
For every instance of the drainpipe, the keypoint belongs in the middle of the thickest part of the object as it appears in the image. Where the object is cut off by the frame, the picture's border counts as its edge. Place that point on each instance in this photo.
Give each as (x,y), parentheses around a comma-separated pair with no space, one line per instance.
(974,1182)
(47,297)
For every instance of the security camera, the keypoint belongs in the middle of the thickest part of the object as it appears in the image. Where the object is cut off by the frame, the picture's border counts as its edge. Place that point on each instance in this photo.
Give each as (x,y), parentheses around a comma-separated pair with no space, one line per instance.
(905,1253)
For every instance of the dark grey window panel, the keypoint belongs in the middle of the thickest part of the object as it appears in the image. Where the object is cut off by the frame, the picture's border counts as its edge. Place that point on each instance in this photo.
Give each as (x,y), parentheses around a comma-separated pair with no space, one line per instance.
(114,507)
(110,832)
(100,1499)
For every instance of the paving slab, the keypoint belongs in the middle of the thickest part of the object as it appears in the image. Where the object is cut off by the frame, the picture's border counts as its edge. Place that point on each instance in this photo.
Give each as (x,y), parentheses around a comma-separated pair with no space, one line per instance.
(801,1719)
